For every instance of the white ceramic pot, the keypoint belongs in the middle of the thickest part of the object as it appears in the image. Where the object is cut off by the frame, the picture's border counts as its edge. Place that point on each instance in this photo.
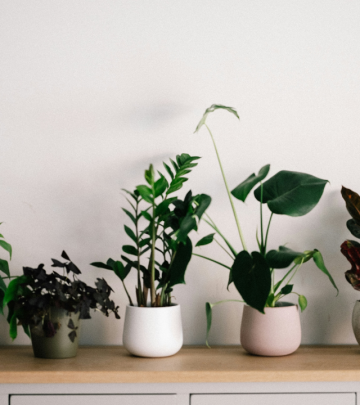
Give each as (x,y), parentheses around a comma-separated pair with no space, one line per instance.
(356,321)
(153,331)
(275,333)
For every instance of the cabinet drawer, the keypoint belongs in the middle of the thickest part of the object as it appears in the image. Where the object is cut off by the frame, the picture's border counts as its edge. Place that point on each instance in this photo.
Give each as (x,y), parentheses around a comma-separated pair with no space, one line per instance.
(93,399)
(275,399)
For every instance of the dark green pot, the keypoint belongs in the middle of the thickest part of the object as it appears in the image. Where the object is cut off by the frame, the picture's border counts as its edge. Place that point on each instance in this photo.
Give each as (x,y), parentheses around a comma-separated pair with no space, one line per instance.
(60,345)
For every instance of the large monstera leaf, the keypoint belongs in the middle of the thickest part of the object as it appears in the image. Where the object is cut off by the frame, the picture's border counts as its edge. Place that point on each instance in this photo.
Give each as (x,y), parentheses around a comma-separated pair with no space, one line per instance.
(291,193)
(243,189)
(252,278)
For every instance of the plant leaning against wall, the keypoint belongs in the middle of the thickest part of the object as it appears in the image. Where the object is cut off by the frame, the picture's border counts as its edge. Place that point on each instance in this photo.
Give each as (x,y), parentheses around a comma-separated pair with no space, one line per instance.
(160,252)
(49,307)
(4,268)
(253,274)
(351,250)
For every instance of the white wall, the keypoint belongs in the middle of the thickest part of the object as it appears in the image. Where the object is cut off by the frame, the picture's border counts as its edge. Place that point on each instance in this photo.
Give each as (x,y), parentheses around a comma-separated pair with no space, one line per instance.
(94,91)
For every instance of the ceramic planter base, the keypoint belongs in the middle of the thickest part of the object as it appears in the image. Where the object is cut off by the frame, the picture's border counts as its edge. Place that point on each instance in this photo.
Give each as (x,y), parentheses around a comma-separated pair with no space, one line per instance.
(275,333)
(59,346)
(153,331)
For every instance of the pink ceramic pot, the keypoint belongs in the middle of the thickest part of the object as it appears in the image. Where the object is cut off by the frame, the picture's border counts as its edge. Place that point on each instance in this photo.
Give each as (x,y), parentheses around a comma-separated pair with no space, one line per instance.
(275,333)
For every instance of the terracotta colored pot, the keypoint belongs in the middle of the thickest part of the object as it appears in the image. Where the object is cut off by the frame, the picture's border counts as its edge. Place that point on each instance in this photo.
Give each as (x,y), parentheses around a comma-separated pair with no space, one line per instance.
(275,333)
(356,321)
(59,346)
(153,331)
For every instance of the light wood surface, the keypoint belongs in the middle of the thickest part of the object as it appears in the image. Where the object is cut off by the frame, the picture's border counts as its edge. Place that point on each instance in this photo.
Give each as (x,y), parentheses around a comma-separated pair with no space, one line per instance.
(112,364)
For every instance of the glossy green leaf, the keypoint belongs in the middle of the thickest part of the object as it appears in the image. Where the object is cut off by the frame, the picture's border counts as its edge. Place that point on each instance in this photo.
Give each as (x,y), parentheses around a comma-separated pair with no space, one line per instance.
(150,175)
(13,327)
(2,285)
(302,302)
(353,227)
(212,109)
(4,267)
(146,215)
(168,169)
(12,289)
(291,193)
(203,201)
(180,263)
(101,265)
(6,246)
(206,240)
(186,226)
(131,250)
(208,310)
(282,258)
(130,233)
(287,289)
(160,186)
(121,271)
(130,215)
(243,189)
(2,295)
(163,206)
(319,261)
(146,193)
(252,278)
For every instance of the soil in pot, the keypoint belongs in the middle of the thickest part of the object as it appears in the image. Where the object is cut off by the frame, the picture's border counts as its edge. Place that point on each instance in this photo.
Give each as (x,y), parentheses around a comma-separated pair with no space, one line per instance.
(53,341)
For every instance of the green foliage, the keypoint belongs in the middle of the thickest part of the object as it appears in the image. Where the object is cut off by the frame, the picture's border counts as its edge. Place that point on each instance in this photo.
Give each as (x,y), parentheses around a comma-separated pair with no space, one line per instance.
(286,193)
(31,296)
(160,226)
(4,268)
(291,193)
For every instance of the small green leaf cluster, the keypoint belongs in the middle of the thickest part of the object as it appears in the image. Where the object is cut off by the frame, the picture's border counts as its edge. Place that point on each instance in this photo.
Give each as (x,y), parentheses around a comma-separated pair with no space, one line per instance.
(4,268)
(31,296)
(286,193)
(160,225)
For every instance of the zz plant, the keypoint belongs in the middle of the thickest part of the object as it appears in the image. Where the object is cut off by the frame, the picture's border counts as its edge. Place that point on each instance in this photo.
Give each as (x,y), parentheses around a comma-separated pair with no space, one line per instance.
(253,273)
(161,223)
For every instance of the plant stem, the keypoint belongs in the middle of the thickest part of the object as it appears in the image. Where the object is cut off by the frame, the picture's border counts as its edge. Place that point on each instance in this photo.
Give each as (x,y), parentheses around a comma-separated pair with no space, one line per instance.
(212,260)
(139,294)
(228,191)
(282,280)
(267,230)
(127,293)
(262,249)
(213,226)
(152,259)
(222,247)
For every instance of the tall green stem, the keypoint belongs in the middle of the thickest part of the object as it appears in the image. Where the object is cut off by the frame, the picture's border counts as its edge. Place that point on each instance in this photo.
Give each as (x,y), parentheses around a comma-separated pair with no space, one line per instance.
(267,230)
(140,295)
(228,191)
(262,249)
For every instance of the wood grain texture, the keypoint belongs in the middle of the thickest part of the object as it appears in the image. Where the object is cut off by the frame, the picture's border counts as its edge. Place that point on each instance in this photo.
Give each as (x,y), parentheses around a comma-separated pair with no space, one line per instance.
(112,364)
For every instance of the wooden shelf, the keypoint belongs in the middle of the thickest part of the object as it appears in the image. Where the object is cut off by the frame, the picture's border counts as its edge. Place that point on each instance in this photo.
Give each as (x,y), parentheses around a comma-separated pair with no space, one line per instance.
(112,364)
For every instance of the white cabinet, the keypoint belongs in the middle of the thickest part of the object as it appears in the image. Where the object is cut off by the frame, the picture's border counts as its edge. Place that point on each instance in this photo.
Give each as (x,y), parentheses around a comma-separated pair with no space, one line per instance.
(93,399)
(275,399)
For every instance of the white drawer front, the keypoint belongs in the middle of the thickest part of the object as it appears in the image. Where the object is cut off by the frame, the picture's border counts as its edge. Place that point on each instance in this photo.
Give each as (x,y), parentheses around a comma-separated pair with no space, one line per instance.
(274,399)
(93,400)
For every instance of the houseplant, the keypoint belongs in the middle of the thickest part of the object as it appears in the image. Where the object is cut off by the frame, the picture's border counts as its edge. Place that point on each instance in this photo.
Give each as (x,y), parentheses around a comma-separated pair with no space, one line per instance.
(351,250)
(49,307)
(253,274)
(161,223)
(4,268)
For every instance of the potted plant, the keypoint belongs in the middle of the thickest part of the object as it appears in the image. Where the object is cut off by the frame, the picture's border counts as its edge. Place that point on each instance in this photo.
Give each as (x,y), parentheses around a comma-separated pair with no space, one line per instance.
(269,326)
(351,250)
(160,225)
(50,306)
(4,268)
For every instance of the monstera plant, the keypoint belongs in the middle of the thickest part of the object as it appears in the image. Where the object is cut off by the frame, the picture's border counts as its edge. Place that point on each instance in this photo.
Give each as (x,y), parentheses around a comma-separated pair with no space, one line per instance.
(160,227)
(350,248)
(253,273)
